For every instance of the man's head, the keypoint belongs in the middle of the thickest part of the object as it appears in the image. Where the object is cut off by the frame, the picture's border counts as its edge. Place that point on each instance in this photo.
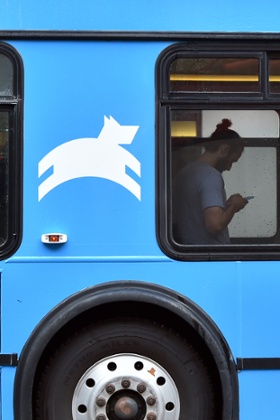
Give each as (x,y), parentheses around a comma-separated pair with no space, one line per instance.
(226,144)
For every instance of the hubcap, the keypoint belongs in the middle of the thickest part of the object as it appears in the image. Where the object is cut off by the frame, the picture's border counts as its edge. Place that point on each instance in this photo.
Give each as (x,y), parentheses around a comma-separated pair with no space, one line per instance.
(126,408)
(126,387)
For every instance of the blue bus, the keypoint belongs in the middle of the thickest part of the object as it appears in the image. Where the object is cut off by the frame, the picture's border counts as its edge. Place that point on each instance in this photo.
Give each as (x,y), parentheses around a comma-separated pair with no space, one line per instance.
(139,228)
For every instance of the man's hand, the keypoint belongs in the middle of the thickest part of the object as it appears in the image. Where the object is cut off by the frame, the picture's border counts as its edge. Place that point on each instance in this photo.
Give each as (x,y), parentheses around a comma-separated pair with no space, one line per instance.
(237,202)
(217,218)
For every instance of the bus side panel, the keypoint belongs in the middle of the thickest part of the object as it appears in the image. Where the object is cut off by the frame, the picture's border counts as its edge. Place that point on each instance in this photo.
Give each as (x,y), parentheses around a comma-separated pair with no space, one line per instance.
(70,87)
(129,15)
(218,289)
(86,84)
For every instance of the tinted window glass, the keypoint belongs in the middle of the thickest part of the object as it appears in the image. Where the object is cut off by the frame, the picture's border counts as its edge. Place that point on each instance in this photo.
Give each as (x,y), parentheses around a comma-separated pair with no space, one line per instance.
(4,144)
(214,75)
(10,150)
(274,75)
(6,76)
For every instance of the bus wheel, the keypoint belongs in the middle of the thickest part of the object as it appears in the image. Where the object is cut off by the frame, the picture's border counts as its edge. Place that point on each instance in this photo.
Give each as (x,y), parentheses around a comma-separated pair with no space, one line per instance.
(125,369)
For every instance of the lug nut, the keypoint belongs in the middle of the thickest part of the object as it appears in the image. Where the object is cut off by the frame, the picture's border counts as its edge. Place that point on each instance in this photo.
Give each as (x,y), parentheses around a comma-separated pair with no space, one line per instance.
(100,402)
(110,389)
(151,416)
(125,383)
(151,400)
(141,388)
(102,417)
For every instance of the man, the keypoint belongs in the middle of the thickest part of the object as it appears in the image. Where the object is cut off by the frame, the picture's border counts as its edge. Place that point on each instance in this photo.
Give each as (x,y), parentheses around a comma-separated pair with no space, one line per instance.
(201,211)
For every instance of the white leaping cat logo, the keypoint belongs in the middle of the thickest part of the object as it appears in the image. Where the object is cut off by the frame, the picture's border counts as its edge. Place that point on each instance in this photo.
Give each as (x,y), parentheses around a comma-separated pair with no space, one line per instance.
(101,157)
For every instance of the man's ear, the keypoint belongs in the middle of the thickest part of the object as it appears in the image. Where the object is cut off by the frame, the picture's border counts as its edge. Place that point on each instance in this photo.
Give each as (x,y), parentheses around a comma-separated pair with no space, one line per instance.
(224,150)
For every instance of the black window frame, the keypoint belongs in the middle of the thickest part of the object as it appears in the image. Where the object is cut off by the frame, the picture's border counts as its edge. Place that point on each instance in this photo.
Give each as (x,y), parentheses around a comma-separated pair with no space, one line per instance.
(167,100)
(13,104)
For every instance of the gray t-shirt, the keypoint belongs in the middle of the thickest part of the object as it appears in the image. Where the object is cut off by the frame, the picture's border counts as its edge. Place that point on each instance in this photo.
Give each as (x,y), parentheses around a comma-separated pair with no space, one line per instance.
(197,187)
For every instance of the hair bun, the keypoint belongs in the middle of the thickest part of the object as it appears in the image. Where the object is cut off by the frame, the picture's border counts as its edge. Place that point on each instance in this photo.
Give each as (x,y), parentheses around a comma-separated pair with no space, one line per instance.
(224,125)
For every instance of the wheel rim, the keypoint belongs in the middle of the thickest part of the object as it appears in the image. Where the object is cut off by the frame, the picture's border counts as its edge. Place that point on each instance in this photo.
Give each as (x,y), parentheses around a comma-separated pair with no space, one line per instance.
(126,387)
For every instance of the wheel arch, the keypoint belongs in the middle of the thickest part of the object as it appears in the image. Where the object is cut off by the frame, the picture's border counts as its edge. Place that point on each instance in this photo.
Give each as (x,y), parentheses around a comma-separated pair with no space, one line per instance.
(139,299)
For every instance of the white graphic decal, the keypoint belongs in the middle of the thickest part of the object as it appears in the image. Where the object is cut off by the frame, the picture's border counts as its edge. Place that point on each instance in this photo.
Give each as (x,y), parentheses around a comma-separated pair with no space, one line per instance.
(101,157)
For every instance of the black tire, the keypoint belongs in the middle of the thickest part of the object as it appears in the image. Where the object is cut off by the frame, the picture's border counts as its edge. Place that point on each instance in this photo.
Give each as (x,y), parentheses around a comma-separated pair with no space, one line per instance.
(193,381)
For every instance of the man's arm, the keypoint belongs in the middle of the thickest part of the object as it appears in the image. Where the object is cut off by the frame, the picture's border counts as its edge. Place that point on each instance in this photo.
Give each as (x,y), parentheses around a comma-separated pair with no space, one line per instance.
(217,218)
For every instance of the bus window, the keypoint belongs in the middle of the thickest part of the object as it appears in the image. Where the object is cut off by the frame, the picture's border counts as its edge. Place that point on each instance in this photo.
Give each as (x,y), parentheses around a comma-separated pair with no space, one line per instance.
(218,143)
(254,175)
(215,75)
(10,150)
(274,74)
(4,130)
(6,76)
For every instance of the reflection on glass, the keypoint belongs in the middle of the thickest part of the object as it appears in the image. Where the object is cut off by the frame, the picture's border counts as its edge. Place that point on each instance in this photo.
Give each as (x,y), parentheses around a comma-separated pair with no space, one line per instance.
(4,132)
(274,75)
(6,76)
(214,75)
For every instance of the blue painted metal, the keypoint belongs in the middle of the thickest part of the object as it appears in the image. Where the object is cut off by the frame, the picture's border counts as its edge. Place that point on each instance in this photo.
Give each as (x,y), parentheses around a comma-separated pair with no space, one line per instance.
(182,15)
(69,87)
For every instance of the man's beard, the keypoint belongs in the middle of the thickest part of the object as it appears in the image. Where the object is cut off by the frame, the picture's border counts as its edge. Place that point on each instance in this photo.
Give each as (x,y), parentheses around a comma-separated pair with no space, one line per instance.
(222,164)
